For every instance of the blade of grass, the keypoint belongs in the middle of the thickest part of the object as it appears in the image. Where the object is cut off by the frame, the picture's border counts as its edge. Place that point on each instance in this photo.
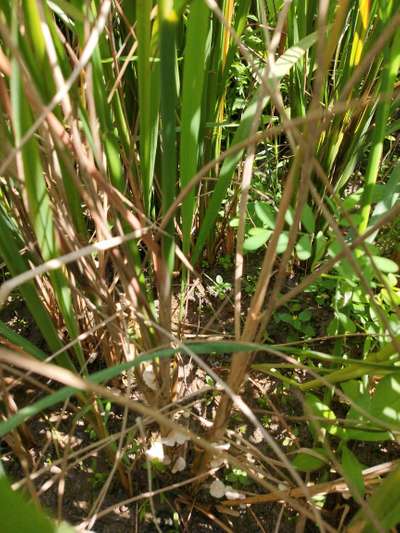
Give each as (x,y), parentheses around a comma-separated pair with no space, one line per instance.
(388,79)
(148,73)
(168,21)
(356,371)
(192,96)
(168,25)
(20,341)
(16,264)
(37,197)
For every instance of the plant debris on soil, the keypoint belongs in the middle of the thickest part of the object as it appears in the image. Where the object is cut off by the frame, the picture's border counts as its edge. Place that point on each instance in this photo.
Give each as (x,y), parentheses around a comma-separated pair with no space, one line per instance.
(69,470)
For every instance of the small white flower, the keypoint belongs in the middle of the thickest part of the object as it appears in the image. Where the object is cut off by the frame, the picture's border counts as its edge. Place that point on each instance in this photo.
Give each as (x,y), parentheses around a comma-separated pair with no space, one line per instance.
(149,378)
(232,494)
(204,422)
(218,461)
(217,489)
(175,438)
(257,436)
(156,451)
(180,464)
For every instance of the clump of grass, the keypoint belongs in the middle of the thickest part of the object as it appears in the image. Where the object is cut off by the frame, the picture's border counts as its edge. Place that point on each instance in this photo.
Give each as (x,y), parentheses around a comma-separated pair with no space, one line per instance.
(128,160)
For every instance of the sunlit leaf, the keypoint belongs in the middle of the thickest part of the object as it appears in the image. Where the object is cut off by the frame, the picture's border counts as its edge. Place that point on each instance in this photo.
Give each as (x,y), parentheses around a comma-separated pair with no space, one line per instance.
(386,400)
(385,265)
(266,214)
(258,237)
(303,248)
(282,243)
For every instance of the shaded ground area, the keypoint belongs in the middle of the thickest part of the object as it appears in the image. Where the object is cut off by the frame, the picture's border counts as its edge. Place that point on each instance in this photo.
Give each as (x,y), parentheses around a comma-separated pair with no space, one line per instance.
(74,478)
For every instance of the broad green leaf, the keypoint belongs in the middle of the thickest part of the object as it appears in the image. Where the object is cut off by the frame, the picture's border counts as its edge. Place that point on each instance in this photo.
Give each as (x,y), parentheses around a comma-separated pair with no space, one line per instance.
(373,435)
(391,297)
(350,202)
(356,391)
(179,5)
(386,400)
(374,361)
(308,219)
(305,315)
(17,515)
(308,330)
(384,264)
(303,248)
(333,327)
(282,243)
(321,410)
(308,462)
(384,504)
(353,388)
(353,221)
(266,214)
(289,216)
(320,247)
(346,322)
(293,320)
(285,317)
(257,238)
(352,469)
